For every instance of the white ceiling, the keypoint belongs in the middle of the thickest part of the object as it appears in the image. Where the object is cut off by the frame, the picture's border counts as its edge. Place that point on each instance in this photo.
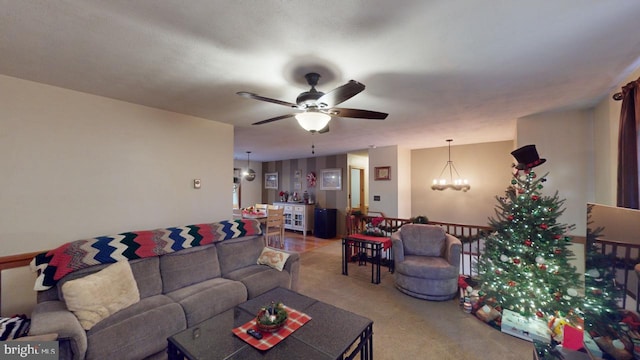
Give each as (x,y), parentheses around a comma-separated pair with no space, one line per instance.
(441,69)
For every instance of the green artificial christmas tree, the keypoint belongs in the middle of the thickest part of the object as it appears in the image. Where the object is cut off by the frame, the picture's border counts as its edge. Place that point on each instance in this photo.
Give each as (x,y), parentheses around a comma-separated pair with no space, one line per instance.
(525,265)
(603,296)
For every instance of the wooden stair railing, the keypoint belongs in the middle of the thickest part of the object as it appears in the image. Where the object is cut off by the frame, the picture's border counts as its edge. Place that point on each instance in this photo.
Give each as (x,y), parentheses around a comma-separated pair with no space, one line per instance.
(470,235)
(14,261)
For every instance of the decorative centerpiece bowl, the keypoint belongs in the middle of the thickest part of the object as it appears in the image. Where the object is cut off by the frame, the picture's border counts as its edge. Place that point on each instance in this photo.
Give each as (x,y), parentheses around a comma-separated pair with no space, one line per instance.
(271,318)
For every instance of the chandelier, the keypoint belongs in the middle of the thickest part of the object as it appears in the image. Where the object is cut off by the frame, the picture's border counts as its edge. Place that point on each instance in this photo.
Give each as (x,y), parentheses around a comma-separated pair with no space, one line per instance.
(455,184)
(249,174)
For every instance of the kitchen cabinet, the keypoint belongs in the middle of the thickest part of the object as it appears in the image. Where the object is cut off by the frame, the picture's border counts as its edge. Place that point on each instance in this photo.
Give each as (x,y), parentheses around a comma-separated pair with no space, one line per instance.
(297,216)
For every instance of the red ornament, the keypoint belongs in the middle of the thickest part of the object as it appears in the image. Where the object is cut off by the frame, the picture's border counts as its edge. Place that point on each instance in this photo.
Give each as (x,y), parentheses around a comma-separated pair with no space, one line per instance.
(511,283)
(498,272)
(539,314)
(557,237)
(597,292)
(528,242)
(535,197)
(543,267)
(510,217)
(516,261)
(558,251)
(544,226)
(520,191)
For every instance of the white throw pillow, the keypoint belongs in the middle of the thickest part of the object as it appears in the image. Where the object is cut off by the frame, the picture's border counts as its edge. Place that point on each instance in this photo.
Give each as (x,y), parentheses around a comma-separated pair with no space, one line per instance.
(94,297)
(274,258)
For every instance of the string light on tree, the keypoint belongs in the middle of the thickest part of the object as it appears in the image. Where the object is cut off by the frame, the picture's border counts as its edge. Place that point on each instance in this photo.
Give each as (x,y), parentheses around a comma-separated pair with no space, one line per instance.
(525,266)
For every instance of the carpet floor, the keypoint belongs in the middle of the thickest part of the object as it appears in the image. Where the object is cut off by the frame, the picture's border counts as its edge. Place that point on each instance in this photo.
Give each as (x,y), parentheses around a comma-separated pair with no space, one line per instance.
(404,327)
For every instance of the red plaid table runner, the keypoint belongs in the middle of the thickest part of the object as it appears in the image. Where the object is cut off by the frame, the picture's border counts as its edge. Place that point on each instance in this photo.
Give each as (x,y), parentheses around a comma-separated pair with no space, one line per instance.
(294,322)
(386,241)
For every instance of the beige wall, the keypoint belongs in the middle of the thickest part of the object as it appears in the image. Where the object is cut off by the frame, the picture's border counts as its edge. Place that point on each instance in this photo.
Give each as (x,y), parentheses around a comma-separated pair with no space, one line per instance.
(76,165)
(487,166)
(565,139)
(387,190)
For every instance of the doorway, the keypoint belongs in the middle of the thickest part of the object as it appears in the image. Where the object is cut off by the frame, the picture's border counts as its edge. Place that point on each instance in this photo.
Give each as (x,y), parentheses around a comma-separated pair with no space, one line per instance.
(356,188)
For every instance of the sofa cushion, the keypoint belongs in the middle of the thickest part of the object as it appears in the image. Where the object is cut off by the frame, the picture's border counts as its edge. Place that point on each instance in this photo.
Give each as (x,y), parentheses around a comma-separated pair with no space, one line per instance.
(136,332)
(146,272)
(189,266)
(424,240)
(238,253)
(273,258)
(427,267)
(203,300)
(97,296)
(259,279)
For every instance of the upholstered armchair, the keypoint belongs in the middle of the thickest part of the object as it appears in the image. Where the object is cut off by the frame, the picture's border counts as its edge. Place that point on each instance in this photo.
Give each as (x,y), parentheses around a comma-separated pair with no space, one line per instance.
(427,261)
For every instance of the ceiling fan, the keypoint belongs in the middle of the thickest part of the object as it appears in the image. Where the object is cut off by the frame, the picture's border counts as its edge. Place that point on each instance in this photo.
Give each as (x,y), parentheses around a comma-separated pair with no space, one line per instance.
(317,107)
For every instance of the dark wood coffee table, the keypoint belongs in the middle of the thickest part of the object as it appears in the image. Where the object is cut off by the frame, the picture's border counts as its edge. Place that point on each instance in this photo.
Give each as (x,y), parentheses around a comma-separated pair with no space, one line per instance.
(332,333)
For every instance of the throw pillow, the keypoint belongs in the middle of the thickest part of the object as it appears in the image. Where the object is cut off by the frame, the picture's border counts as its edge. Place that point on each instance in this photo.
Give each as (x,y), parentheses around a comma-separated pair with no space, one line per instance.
(274,258)
(94,297)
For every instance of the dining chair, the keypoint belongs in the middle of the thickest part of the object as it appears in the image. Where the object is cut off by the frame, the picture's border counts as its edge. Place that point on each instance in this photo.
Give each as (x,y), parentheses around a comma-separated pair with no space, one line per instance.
(261,207)
(275,228)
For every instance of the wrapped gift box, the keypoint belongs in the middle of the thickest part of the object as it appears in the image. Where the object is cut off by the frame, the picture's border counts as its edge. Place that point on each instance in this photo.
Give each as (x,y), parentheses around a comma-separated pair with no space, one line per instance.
(525,328)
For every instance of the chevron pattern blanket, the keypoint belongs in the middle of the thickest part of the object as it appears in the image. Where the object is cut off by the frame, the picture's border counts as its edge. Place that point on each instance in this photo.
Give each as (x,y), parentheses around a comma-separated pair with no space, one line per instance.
(53,265)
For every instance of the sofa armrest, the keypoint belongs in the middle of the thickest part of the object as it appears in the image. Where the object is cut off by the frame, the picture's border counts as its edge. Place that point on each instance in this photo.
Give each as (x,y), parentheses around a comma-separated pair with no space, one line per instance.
(292,266)
(453,247)
(53,317)
(397,247)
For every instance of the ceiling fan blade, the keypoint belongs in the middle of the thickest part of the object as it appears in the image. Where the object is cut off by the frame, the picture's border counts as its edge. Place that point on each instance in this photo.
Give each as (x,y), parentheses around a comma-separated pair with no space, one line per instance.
(340,94)
(273,119)
(250,95)
(357,113)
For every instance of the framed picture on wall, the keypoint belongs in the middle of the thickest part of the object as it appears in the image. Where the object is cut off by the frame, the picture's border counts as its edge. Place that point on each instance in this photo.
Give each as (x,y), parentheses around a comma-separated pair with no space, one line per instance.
(382,173)
(271,180)
(331,179)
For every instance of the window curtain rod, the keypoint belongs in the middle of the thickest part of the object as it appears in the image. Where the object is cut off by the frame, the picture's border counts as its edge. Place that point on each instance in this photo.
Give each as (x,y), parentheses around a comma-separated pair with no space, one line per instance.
(618,96)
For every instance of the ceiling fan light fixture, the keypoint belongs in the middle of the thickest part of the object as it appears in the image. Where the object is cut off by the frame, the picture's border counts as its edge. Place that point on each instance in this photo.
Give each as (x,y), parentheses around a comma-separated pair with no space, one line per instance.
(313,120)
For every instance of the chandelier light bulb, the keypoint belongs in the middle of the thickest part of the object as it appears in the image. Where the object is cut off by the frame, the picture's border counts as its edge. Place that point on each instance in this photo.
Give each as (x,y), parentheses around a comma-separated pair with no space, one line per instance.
(457,184)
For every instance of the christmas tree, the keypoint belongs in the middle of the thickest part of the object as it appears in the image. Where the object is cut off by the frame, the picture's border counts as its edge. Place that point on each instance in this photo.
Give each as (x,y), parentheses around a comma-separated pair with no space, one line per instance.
(602,313)
(525,265)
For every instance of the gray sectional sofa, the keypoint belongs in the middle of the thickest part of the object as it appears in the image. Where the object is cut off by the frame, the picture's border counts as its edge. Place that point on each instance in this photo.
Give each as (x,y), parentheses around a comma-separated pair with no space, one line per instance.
(177,290)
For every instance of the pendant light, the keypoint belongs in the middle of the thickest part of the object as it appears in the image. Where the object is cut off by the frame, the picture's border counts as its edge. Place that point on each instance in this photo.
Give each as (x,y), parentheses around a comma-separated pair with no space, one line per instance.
(249,174)
(455,184)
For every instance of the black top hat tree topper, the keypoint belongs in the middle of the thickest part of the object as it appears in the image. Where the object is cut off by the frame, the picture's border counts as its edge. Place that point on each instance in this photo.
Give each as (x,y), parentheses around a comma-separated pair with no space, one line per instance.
(527,157)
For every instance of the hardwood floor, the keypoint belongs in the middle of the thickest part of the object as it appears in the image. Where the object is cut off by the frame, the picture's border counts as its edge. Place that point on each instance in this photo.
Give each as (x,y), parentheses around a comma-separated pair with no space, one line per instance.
(295,241)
